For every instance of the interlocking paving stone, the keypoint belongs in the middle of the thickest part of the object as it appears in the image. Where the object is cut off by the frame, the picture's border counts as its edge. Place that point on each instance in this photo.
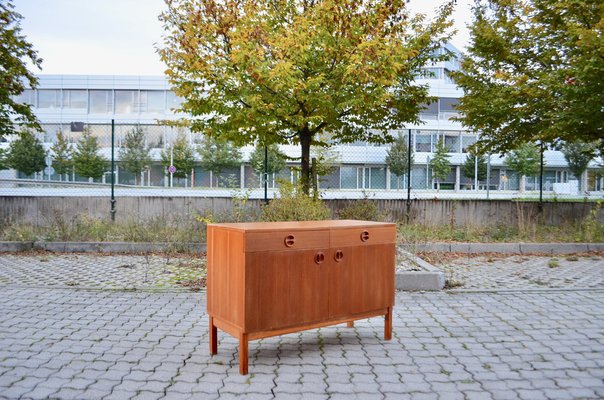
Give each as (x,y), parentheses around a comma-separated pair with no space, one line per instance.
(544,330)
(525,272)
(57,342)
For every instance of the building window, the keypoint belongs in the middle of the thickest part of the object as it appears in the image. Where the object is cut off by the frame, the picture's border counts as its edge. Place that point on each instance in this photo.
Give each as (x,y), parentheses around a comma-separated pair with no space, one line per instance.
(101,101)
(447,107)
(452,141)
(172,100)
(423,142)
(49,98)
(153,101)
(429,111)
(75,99)
(126,101)
(28,96)
(466,142)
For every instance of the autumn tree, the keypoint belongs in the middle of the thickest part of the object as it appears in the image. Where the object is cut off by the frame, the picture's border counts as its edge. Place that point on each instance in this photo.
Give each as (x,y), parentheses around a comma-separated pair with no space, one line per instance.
(284,71)
(534,72)
(62,158)
(397,158)
(525,160)
(578,155)
(87,161)
(440,163)
(135,154)
(15,52)
(181,155)
(218,155)
(26,154)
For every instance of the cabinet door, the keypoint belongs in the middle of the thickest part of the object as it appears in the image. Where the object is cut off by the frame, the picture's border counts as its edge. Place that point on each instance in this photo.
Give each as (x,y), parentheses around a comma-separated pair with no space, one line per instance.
(286,288)
(361,279)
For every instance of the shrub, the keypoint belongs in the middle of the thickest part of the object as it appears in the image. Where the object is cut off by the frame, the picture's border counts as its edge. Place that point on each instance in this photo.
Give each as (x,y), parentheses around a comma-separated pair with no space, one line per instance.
(364,209)
(293,205)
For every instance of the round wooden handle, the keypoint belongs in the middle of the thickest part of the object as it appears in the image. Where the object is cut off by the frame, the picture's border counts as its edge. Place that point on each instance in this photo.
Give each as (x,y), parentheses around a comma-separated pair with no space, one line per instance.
(364,236)
(339,255)
(290,240)
(319,257)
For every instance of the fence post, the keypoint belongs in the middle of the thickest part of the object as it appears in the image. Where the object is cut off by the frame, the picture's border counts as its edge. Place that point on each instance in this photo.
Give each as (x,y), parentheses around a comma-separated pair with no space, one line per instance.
(112,170)
(409,176)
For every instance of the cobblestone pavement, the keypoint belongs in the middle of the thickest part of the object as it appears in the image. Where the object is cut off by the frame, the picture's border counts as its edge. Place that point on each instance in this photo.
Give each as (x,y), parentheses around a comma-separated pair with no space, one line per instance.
(98,271)
(59,341)
(79,344)
(524,272)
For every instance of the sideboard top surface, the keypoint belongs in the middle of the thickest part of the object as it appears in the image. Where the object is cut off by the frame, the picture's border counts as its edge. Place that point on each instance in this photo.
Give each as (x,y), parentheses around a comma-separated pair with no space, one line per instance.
(289,225)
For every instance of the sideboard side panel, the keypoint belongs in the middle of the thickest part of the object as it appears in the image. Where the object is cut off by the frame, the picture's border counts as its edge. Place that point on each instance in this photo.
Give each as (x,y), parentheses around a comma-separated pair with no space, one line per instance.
(226,275)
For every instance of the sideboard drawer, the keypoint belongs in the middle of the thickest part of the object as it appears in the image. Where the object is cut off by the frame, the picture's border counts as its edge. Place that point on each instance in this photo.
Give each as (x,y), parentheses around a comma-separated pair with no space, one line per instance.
(362,236)
(286,240)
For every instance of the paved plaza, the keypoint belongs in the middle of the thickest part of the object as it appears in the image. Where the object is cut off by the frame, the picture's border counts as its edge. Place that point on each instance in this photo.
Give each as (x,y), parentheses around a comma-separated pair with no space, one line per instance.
(78,336)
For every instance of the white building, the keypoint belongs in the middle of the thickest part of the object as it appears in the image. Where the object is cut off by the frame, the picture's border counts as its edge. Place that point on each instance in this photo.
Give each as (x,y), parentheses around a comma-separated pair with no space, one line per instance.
(68,102)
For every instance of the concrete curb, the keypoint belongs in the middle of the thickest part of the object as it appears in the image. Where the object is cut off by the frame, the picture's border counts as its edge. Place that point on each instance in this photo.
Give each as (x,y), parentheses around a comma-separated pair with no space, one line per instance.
(100,247)
(430,278)
(505,248)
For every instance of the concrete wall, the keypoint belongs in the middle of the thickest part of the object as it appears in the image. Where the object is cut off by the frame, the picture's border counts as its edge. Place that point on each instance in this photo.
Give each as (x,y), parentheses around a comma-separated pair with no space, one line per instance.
(45,210)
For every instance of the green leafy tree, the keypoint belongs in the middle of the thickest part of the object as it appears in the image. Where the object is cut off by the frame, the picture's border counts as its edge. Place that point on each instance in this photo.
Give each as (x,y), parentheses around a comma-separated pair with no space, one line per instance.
(3,156)
(276,160)
(475,163)
(285,71)
(578,155)
(15,52)
(182,156)
(397,158)
(525,160)
(62,160)
(135,154)
(534,72)
(87,161)
(440,164)
(26,154)
(218,155)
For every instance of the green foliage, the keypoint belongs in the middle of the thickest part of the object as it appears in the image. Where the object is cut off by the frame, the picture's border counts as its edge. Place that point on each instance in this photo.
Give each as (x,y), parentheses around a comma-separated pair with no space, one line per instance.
(397,158)
(284,72)
(363,210)
(15,52)
(578,155)
(26,154)
(440,164)
(294,205)
(182,156)
(276,159)
(86,159)
(534,71)
(135,154)
(469,166)
(218,155)
(525,160)
(3,163)
(62,160)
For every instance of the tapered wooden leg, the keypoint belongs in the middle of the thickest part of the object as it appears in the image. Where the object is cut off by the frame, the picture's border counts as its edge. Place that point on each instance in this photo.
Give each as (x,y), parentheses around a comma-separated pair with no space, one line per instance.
(350,324)
(388,324)
(243,350)
(213,337)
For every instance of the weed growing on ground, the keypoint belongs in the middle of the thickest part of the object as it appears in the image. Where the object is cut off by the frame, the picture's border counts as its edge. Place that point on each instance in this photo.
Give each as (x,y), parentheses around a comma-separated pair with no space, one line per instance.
(553,263)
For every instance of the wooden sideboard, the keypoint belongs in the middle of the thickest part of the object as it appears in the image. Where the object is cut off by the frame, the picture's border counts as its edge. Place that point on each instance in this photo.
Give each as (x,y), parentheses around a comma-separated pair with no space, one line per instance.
(272,278)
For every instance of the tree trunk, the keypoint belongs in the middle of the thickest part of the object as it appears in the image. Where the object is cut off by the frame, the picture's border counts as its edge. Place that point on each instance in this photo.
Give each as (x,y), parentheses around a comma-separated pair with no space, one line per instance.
(305,139)
(522,183)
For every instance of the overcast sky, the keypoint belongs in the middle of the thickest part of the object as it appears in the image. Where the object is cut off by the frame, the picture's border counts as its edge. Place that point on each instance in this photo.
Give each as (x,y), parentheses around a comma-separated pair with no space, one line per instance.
(118,37)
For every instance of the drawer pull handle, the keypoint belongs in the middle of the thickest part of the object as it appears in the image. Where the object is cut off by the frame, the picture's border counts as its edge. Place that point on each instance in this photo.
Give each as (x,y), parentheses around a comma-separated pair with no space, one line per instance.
(290,240)
(339,255)
(319,257)
(364,236)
